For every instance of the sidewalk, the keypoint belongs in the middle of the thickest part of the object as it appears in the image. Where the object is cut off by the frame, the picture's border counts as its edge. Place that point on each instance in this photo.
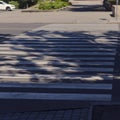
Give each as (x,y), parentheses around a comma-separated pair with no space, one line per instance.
(68,114)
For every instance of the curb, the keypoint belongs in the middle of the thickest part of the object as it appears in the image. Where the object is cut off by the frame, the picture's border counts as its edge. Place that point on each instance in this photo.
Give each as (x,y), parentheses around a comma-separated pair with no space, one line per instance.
(56,10)
(98,109)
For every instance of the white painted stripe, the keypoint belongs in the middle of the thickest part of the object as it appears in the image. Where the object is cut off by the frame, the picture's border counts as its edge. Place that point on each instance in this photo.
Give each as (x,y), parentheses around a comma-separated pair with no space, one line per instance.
(56,53)
(90,58)
(60,49)
(55,38)
(48,79)
(61,75)
(74,36)
(84,37)
(52,41)
(50,62)
(78,86)
(51,68)
(78,59)
(59,45)
(55,96)
(74,58)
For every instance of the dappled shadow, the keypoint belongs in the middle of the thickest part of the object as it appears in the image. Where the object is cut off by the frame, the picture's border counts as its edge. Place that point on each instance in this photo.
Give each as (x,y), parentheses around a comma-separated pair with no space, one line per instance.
(4,37)
(58,57)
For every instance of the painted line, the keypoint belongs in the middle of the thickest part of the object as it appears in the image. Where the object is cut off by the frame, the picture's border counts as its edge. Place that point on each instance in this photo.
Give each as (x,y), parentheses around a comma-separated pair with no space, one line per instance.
(60,45)
(58,49)
(78,86)
(63,69)
(55,96)
(57,53)
(78,59)
(52,43)
(50,62)
(21,36)
(87,77)
(62,41)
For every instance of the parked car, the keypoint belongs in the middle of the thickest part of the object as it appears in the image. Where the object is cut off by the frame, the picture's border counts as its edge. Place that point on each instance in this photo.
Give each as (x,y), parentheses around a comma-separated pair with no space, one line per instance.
(108,4)
(5,6)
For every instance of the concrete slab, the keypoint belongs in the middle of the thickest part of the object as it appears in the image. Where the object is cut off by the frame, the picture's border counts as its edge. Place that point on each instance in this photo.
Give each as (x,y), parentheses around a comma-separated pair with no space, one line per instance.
(106,112)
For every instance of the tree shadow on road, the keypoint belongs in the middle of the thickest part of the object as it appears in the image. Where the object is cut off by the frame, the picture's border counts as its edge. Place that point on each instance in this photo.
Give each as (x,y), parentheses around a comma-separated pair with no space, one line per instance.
(58,57)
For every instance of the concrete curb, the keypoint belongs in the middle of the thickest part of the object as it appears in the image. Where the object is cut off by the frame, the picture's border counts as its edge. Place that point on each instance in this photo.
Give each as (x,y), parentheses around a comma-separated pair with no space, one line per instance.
(56,10)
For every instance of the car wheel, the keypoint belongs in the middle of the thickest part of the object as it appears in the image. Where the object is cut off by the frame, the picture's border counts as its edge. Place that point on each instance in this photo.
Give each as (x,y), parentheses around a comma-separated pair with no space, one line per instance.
(8,9)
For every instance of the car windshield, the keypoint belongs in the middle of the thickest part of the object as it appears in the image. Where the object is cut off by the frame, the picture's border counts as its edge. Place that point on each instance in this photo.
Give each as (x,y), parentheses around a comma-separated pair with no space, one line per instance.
(3,2)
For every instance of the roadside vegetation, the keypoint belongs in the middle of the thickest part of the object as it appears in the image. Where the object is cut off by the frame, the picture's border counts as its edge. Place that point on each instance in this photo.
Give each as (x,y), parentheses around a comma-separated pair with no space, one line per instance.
(39,4)
(48,5)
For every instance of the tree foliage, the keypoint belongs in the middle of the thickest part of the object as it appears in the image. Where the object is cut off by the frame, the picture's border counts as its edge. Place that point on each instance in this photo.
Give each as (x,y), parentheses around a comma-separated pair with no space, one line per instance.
(22,3)
(49,4)
(43,4)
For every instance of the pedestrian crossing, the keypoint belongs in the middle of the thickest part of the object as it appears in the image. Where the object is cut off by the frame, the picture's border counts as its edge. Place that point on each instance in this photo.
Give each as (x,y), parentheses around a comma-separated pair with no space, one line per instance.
(57,68)
(53,91)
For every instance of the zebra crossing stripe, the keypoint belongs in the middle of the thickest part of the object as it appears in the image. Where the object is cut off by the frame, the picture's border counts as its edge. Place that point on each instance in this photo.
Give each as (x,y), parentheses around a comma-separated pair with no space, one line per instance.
(57,53)
(55,96)
(74,59)
(68,69)
(61,86)
(45,78)
(38,62)
(60,45)
(59,49)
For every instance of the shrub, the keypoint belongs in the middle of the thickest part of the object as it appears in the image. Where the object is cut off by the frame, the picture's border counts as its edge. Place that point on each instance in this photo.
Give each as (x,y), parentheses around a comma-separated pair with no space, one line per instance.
(14,3)
(26,3)
(59,4)
(47,5)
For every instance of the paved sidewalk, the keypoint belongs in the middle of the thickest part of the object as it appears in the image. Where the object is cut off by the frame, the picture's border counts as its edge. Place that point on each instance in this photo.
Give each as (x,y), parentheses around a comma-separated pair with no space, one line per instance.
(68,114)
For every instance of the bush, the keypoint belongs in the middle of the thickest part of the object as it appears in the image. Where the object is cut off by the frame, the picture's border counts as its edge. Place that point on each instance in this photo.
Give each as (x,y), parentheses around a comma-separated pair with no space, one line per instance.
(59,4)
(47,5)
(26,3)
(14,3)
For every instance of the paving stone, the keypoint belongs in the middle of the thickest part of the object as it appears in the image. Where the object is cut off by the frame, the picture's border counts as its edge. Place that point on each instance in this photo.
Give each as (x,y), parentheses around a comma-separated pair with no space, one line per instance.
(41,116)
(50,115)
(6,116)
(15,116)
(24,116)
(69,114)
(33,115)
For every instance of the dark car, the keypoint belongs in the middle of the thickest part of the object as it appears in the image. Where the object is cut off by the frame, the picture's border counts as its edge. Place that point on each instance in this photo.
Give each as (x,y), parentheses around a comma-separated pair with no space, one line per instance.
(108,4)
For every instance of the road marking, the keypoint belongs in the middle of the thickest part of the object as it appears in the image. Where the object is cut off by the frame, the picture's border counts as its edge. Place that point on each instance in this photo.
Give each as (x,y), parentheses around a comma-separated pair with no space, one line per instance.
(55,96)
(61,86)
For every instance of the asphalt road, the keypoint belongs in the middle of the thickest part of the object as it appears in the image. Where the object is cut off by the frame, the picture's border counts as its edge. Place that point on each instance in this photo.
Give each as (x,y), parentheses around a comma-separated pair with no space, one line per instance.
(17,28)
